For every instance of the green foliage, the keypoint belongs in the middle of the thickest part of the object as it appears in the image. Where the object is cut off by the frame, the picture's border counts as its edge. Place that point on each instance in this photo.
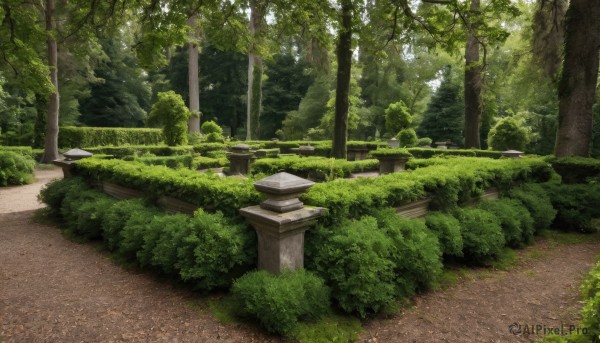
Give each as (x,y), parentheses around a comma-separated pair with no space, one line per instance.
(590,288)
(448,231)
(424,142)
(576,205)
(178,161)
(141,150)
(428,153)
(82,210)
(407,137)
(311,109)
(53,193)
(210,126)
(516,222)
(215,137)
(537,201)
(577,169)
(444,117)
(86,137)
(170,112)
(314,168)
(508,134)
(207,191)
(356,262)
(116,217)
(481,233)
(15,168)
(21,150)
(391,153)
(215,251)
(281,302)
(397,117)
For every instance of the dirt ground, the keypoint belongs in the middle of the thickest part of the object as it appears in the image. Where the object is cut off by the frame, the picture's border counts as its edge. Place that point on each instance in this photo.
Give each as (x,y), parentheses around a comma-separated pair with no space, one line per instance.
(55,290)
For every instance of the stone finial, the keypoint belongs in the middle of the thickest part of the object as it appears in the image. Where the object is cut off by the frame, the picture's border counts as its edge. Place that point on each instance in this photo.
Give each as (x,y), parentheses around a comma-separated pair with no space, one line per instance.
(239,159)
(282,191)
(512,153)
(76,154)
(394,143)
(240,149)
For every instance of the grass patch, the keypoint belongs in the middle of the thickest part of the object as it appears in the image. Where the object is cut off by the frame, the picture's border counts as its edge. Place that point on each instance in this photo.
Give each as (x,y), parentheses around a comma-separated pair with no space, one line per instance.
(534,254)
(452,275)
(44,166)
(569,238)
(333,328)
(506,260)
(223,309)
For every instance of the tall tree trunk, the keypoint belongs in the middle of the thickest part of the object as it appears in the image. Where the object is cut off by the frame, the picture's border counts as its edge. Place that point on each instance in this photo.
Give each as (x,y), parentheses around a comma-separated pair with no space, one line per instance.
(342,91)
(194,91)
(473,81)
(255,71)
(577,87)
(51,139)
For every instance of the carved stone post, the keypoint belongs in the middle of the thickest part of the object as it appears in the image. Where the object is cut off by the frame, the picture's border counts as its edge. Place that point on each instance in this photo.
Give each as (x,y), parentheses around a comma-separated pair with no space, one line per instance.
(280,222)
(239,159)
(71,157)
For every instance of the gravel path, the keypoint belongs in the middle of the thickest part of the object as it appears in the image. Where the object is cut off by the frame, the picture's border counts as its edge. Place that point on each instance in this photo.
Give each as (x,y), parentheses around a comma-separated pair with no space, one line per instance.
(55,290)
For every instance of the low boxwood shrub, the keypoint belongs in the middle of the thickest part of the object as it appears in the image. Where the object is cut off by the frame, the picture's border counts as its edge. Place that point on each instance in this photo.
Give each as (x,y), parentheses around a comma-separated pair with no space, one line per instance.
(154,231)
(481,233)
(53,193)
(15,168)
(215,251)
(280,302)
(391,153)
(132,235)
(356,262)
(174,162)
(537,202)
(86,137)
(201,162)
(448,231)
(82,211)
(577,169)
(590,289)
(116,217)
(26,151)
(314,168)
(576,205)
(140,150)
(516,222)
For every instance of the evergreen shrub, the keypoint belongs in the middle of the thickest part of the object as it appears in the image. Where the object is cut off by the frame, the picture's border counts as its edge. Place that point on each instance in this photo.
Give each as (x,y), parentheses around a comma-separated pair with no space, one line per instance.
(576,205)
(408,137)
(448,231)
(15,168)
(481,233)
(86,137)
(280,302)
(577,169)
(537,201)
(508,134)
(53,193)
(170,112)
(516,222)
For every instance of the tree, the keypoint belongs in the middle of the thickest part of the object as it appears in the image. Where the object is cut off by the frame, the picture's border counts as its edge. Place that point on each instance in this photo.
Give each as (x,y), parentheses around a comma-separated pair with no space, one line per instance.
(255,68)
(397,118)
(577,85)
(473,79)
(444,116)
(508,134)
(172,114)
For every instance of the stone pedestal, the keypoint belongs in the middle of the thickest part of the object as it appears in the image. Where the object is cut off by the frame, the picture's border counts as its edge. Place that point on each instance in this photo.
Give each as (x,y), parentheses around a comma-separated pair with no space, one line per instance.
(71,157)
(512,153)
(280,222)
(239,159)
(391,164)
(442,145)
(306,150)
(394,143)
(357,154)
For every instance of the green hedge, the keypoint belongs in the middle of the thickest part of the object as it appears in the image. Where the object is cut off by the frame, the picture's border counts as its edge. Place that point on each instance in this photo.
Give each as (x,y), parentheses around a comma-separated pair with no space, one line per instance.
(536,200)
(21,150)
(451,182)
(576,205)
(16,168)
(577,169)
(430,152)
(207,191)
(130,150)
(590,289)
(207,250)
(85,137)
(482,235)
(314,168)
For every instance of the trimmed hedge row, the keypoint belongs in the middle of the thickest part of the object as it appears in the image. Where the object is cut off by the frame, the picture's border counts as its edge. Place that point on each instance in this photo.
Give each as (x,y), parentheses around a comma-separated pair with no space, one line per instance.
(130,150)
(16,167)
(204,190)
(207,250)
(85,137)
(577,169)
(314,168)
(21,150)
(430,152)
(451,182)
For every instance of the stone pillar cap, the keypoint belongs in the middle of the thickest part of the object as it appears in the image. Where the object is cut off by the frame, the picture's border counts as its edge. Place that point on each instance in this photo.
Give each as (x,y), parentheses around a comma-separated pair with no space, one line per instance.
(282,183)
(512,152)
(77,154)
(306,147)
(240,148)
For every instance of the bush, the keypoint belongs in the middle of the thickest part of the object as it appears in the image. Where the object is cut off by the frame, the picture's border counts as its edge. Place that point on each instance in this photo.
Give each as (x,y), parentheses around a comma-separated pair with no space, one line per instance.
(15,168)
(139,150)
(53,193)
(424,142)
(387,152)
(481,233)
(133,233)
(508,134)
(397,117)
(215,251)
(447,229)
(590,288)
(86,137)
(537,202)
(576,205)
(116,217)
(516,222)
(83,211)
(214,137)
(407,137)
(211,127)
(25,151)
(356,262)
(280,302)
(170,111)
(314,168)
(429,152)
